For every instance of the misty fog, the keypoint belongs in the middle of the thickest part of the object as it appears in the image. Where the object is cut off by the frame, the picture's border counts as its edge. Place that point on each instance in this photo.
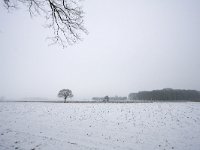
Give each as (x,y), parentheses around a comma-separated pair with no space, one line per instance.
(131,46)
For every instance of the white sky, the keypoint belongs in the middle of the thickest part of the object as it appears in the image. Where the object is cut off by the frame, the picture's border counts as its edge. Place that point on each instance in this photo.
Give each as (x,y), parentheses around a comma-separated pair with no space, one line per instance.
(132,46)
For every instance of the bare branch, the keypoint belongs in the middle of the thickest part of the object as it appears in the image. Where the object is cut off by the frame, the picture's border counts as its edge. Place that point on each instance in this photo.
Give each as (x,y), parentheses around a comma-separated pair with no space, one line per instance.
(64,17)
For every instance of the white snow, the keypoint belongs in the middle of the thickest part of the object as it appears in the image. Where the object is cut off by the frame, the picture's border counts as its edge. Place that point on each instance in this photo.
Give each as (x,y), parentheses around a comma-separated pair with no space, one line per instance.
(69,126)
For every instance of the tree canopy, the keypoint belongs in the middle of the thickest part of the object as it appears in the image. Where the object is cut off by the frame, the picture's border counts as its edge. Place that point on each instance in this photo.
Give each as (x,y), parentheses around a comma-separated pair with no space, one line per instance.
(166,94)
(65,93)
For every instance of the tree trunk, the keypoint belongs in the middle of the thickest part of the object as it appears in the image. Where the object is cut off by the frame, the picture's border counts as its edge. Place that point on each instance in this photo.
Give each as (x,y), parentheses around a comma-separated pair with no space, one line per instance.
(65,99)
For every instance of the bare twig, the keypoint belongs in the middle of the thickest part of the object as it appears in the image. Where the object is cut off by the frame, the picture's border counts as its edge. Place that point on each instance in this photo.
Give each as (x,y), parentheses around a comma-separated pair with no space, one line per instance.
(64,17)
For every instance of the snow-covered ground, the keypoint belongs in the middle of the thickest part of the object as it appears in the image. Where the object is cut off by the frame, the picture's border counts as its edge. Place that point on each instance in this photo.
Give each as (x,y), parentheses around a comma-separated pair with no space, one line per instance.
(137,126)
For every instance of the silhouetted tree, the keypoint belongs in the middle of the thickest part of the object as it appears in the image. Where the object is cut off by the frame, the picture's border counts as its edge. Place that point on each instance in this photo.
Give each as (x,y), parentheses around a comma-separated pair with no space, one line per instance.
(65,93)
(64,17)
(106,98)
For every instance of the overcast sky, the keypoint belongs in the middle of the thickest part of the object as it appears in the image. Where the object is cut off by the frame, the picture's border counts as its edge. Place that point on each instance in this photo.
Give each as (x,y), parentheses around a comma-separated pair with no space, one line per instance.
(132,46)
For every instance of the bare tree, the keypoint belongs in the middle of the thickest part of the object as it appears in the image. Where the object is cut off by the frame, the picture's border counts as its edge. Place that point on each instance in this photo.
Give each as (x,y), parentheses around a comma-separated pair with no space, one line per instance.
(65,93)
(106,98)
(64,17)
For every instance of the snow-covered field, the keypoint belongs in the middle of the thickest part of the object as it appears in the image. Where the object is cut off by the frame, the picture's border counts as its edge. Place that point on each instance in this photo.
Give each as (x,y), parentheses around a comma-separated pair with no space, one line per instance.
(137,126)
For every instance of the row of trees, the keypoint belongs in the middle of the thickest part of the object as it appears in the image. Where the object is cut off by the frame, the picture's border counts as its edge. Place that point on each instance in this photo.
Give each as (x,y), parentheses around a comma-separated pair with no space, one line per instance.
(166,94)
(66,93)
(107,98)
(161,95)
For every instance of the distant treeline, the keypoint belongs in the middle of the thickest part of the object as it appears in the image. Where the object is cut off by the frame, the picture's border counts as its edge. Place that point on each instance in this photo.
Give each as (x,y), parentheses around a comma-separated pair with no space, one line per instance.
(166,94)
(110,98)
